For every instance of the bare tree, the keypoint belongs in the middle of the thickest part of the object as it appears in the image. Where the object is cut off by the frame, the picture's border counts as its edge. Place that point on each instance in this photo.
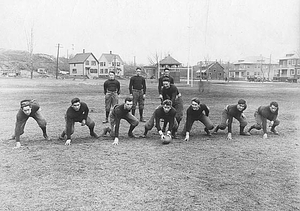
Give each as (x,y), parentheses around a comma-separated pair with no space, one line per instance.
(30,50)
(154,60)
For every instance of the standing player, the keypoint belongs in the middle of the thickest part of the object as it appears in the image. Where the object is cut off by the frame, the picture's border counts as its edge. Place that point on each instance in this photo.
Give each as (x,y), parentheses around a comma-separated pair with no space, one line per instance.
(77,112)
(121,112)
(170,92)
(111,92)
(166,74)
(165,112)
(264,113)
(230,112)
(137,88)
(29,108)
(197,112)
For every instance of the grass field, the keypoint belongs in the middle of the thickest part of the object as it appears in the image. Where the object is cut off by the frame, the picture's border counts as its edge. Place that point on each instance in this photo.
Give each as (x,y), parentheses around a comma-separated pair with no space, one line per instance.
(206,173)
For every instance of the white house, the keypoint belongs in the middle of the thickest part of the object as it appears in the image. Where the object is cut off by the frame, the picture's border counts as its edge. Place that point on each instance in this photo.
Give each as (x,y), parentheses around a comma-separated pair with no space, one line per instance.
(111,62)
(84,64)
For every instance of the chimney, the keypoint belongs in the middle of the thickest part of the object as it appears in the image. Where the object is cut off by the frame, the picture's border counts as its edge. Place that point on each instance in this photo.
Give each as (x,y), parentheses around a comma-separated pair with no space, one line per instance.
(110,52)
(83,50)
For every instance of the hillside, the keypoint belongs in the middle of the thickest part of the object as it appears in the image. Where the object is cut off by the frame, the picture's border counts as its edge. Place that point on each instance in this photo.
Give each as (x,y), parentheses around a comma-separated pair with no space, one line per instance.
(17,61)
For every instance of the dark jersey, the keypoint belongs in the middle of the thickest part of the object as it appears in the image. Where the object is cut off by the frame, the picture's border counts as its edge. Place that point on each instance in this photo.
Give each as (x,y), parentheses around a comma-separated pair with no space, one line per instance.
(192,115)
(160,82)
(111,86)
(265,113)
(76,116)
(119,112)
(233,112)
(170,93)
(138,83)
(167,117)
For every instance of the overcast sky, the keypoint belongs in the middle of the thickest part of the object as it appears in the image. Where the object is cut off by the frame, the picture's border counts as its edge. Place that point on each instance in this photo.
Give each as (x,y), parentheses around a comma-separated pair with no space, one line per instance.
(188,30)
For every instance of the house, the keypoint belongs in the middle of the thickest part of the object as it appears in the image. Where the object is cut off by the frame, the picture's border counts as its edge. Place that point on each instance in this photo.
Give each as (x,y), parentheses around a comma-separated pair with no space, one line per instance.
(255,67)
(84,64)
(173,65)
(289,68)
(210,70)
(111,62)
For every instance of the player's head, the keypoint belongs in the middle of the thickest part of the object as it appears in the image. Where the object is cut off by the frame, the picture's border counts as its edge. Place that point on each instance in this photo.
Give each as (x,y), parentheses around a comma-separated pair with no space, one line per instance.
(111,75)
(166,71)
(241,104)
(273,106)
(167,105)
(166,83)
(128,103)
(76,103)
(138,71)
(195,103)
(26,107)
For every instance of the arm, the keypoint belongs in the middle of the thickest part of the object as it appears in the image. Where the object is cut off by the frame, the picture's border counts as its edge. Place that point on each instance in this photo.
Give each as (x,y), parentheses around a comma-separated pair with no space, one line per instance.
(105,87)
(118,87)
(264,124)
(188,120)
(86,112)
(130,86)
(144,85)
(206,110)
(117,127)
(230,119)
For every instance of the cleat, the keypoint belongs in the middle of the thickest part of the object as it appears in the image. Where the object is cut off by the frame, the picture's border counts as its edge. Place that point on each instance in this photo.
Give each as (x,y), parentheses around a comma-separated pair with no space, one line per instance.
(61,138)
(143,136)
(274,131)
(93,134)
(207,132)
(142,120)
(245,134)
(46,137)
(130,135)
(105,121)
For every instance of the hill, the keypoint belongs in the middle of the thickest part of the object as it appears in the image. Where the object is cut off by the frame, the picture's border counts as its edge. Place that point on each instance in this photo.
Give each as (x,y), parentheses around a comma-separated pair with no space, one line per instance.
(17,61)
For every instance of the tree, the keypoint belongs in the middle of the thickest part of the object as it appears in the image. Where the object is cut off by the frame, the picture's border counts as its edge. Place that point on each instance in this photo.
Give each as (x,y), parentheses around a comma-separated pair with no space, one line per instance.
(30,50)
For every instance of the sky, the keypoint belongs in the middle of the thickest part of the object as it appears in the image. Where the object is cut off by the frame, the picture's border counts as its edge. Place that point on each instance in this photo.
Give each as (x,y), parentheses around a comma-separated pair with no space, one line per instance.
(142,30)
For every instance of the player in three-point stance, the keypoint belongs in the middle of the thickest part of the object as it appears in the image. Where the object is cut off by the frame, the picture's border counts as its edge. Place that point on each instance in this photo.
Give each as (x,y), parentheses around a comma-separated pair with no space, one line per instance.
(264,113)
(230,112)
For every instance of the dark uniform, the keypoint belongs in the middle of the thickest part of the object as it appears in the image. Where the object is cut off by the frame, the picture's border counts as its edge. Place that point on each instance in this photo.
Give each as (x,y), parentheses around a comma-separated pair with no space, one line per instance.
(137,87)
(262,114)
(22,119)
(73,116)
(159,114)
(160,82)
(111,91)
(198,115)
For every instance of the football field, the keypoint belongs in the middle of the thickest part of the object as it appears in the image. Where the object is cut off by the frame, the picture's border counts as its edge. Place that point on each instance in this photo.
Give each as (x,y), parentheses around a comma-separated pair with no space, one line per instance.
(206,173)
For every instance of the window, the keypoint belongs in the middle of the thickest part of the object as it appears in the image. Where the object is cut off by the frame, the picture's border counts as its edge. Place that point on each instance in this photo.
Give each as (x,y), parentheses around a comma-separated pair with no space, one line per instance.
(87,62)
(93,63)
(118,64)
(74,65)
(293,61)
(292,72)
(248,73)
(102,64)
(289,62)
(101,71)
(106,71)
(74,71)
(93,71)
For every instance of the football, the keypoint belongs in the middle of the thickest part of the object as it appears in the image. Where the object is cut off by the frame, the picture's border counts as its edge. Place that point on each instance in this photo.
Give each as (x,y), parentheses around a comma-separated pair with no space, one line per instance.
(166,139)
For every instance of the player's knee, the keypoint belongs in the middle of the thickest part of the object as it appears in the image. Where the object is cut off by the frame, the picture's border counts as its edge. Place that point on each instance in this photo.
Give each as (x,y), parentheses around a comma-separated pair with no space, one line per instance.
(243,124)
(222,126)
(210,127)
(276,122)
(135,123)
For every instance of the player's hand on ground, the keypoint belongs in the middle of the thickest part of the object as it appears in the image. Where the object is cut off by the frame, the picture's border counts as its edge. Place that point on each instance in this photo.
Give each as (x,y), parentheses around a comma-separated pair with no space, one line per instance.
(187,138)
(144,96)
(160,96)
(265,136)
(116,141)
(271,124)
(243,116)
(83,123)
(18,145)
(229,136)
(68,142)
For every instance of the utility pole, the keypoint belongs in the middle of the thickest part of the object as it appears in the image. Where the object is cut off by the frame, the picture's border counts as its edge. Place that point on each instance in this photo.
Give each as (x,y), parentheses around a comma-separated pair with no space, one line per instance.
(58,46)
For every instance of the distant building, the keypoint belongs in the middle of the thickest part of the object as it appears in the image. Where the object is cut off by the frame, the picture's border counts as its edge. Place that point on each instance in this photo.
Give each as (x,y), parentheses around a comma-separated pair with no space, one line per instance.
(257,67)
(111,62)
(289,68)
(210,70)
(84,64)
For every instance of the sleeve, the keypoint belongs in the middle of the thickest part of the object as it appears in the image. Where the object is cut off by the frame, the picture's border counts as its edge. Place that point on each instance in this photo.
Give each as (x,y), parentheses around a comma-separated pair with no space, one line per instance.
(264,124)
(105,87)
(188,122)
(144,85)
(69,123)
(230,119)
(117,127)
(18,127)
(171,80)
(157,121)
(171,121)
(174,94)
(130,85)
(206,110)
(118,87)
(159,85)
(86,111)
